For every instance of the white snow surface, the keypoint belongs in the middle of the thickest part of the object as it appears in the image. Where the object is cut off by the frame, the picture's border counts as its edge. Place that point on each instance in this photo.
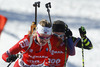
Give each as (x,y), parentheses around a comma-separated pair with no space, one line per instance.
(75,13)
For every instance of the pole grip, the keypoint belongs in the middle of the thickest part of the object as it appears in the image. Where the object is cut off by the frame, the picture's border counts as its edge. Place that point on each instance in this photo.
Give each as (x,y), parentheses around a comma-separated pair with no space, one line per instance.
(48,5)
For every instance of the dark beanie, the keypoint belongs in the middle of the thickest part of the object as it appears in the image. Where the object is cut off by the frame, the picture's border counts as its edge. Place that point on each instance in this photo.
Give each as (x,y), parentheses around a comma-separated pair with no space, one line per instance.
(58,26)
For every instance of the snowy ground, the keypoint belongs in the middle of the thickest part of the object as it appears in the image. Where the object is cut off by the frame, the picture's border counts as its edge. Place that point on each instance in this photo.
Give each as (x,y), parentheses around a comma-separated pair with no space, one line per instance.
(75,13)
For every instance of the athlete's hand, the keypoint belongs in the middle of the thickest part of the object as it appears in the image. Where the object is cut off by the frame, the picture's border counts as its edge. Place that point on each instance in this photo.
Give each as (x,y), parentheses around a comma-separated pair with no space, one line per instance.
(82,32)
(12,58)
(68,32)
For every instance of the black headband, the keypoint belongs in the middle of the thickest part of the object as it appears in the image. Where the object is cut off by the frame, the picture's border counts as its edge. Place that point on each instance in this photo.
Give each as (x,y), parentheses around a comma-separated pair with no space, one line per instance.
(58,28)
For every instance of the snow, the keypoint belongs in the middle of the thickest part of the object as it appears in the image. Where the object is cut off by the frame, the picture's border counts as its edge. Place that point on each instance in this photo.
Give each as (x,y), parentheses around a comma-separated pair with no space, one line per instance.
(75,13)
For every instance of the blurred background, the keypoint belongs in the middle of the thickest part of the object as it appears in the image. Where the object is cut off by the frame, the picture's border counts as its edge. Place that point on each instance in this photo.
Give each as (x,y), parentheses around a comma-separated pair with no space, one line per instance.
(75,13)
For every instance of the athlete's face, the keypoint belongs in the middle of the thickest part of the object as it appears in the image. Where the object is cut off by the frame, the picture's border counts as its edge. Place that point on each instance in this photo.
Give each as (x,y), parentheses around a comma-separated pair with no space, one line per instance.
(59,34)
(43,38)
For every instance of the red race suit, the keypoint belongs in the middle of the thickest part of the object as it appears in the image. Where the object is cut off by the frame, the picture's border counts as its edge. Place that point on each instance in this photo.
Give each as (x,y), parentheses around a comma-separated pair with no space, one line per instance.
(34,56)
(57,58)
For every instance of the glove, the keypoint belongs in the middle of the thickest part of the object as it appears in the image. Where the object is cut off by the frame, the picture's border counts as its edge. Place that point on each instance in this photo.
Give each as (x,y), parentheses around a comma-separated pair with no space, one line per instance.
(82,32)
(12,58)
(68,32)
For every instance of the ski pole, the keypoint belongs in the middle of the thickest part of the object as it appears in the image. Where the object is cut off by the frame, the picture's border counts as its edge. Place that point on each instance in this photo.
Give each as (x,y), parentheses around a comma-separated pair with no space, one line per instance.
(48,5)
(65,51)
(33,26)
(9,64)
(82,52)
(36,4)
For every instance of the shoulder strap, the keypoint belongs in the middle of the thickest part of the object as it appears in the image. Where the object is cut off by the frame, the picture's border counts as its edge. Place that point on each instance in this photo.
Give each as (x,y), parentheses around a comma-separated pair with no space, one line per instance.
(49,44)
(31,40)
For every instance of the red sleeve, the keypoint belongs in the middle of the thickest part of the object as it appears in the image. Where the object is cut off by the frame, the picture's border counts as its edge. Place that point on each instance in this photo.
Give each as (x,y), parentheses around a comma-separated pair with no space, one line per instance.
(13,50)
(22,44)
